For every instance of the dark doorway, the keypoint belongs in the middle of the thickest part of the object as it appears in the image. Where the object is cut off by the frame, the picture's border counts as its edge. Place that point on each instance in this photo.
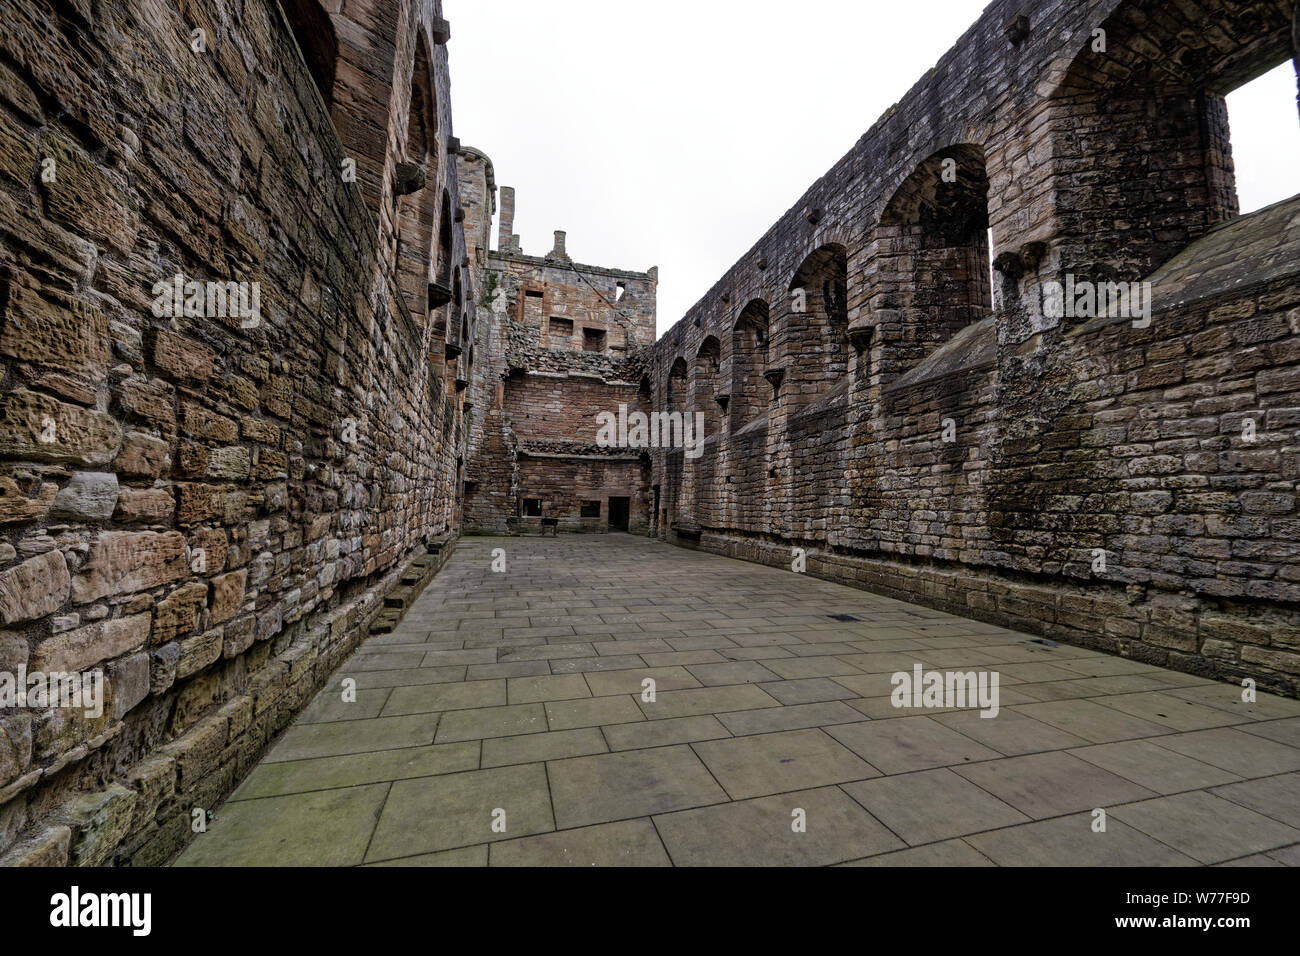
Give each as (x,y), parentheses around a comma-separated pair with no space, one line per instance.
(619,509)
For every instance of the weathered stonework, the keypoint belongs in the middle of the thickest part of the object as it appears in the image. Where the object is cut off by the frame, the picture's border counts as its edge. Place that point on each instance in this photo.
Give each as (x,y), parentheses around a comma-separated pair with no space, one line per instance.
(210,512)
(559,343)
(1126,486)
(214,512)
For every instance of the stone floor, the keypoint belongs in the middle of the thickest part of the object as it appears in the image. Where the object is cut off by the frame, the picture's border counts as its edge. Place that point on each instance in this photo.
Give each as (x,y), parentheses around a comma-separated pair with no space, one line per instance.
(515,700)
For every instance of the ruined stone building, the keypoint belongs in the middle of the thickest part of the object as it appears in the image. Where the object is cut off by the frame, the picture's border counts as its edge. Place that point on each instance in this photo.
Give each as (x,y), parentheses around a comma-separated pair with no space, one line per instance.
(261,368)
(562,342)
(920,428)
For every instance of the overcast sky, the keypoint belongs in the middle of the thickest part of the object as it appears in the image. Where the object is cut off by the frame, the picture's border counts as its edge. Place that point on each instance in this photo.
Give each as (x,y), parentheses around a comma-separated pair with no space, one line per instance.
(675,133)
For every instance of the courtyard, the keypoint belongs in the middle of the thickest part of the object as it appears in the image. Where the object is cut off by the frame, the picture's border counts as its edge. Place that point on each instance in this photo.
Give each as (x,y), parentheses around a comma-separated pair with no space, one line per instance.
(615,700)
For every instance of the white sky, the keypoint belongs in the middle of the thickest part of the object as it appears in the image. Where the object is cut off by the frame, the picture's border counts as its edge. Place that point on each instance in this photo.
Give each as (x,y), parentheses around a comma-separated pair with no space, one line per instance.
(675,133)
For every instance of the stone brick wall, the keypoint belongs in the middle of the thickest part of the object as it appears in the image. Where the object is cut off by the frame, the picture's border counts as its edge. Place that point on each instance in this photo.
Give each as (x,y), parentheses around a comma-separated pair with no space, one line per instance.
(921,430)
(488,452)
(207,509)
(544,384)
(564,482)
(210,510)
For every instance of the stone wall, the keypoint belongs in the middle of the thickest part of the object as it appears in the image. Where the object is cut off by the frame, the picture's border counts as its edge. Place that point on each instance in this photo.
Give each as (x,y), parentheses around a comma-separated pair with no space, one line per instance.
(488,452)
(561,342)
(921,430)
(208,507)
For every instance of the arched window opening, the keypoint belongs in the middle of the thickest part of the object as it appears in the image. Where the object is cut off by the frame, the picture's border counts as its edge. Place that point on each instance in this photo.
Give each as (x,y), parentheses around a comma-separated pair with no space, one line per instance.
(422,120)
(677,383)
(444,265)
(415,208)
(815,340)
(1163,170)
(441,291)
(932,277)
(750,392)
(315,36)
(706,384)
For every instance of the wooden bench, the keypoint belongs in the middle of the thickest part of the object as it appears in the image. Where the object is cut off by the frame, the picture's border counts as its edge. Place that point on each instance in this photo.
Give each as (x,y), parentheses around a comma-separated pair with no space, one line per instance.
(553,524)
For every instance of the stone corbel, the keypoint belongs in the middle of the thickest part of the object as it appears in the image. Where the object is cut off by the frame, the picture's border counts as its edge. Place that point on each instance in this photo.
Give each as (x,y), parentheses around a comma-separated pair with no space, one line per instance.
(1033,253)
(439,295)
(409,178)
(775,376)
(1009,265)
(1014,265)
(861,332)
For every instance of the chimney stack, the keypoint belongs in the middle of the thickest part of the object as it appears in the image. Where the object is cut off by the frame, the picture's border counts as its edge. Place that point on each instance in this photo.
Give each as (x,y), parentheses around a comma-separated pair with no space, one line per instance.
(559,252)
(506,231)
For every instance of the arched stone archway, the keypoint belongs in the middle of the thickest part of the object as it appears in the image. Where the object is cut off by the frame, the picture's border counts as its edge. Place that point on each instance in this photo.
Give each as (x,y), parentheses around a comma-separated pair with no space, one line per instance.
(416,209)
(750,393)
(1141,158)
(931,276)
(811,338)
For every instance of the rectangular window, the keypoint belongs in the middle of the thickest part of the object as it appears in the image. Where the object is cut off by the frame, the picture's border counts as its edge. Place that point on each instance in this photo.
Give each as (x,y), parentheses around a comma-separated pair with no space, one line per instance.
(533,301)
(590,509)
(593,340)
(561,326)
(532,507)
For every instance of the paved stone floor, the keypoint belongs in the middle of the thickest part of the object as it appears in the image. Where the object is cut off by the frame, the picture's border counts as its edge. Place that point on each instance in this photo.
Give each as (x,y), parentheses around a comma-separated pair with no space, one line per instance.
(517,697)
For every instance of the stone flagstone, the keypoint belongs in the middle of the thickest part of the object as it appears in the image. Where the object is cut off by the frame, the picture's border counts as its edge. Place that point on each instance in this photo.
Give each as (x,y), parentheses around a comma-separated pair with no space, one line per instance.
(582,766)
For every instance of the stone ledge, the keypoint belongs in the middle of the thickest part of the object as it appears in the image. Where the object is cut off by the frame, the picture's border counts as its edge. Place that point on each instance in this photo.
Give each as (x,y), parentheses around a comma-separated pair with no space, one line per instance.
(411,581)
